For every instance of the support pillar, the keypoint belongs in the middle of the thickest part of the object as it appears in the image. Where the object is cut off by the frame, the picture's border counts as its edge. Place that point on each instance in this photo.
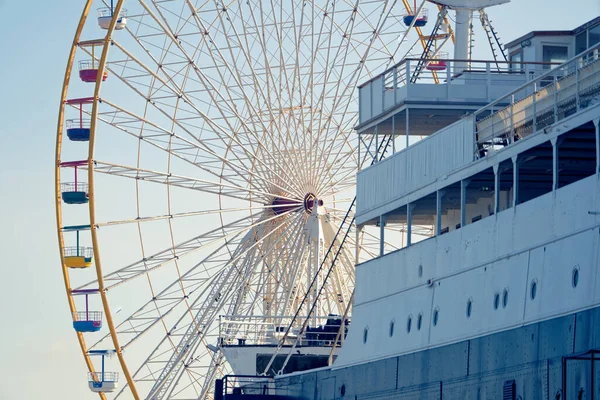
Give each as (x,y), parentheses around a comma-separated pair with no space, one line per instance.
(515,199)
(463,201)
(382,220)
(407,126)
(409,224)
(497,173)
(555,145)
(438,213)
(597,124)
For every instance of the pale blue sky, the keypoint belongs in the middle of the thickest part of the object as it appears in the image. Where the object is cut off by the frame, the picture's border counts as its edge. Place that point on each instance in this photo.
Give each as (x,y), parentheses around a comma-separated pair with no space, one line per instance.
(39,351)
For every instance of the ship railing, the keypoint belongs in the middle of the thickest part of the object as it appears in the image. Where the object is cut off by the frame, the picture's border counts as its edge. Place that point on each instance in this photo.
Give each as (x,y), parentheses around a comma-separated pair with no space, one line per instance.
(393,86)
(269,330)
(538,104)
(249,385)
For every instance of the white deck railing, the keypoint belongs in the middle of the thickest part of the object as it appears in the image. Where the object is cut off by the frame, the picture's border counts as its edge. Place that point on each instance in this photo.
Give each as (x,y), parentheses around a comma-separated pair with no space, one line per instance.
(453,79)
(544,101)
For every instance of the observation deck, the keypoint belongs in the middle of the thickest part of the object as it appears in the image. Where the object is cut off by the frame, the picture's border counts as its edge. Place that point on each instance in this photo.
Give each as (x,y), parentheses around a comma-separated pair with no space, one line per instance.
(436,98)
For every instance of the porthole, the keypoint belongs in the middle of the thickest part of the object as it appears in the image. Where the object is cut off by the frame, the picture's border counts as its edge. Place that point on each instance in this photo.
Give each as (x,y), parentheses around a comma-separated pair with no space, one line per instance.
(435,316)
(496,301)
(343,390)
(533,290)
(558,395)
(504,298)
(469,307)
(419,321)
(365,334)
(408,324)
(420,271)
(392,323)
(575,277)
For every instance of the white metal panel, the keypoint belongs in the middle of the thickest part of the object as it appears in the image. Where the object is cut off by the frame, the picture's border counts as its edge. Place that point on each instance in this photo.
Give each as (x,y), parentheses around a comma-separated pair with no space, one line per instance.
(415,167)
(481,285)
(542,239)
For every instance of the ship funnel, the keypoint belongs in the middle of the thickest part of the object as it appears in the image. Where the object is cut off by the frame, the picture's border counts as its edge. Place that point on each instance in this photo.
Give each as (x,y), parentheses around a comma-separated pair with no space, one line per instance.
(464,17)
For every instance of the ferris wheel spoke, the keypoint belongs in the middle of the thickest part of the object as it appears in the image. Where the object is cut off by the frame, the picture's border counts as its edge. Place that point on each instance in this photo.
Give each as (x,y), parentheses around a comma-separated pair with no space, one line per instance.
(204,313)
(167,256)
(213,92)
(259,87)
(194,153)
(211,187)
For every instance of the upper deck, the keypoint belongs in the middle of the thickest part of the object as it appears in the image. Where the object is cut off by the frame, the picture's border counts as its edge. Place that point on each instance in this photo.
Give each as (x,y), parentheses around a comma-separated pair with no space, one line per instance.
(532,108)
(461,86)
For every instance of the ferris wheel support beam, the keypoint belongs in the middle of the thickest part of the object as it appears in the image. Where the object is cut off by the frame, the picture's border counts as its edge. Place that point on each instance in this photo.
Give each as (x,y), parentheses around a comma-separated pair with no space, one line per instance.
(93,126)
(57,180)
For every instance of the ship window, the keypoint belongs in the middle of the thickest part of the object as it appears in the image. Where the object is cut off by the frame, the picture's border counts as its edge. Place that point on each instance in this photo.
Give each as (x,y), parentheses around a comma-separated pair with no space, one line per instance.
(469,307)
(554,54)
(581,42)
(575,278)
(594,36)
(504,298)
(435,316)
(409,324)
(533,289)
(365,334)
(420,271)
(515,61)
(392,323)
(496,300)
(419,321)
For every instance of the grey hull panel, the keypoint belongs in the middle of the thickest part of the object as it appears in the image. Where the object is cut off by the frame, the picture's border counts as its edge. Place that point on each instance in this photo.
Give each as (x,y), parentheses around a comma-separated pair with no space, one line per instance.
(481,368)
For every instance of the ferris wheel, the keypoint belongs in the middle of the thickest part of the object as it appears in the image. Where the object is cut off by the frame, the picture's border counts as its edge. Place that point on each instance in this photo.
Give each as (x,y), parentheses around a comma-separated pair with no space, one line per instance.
(205,172)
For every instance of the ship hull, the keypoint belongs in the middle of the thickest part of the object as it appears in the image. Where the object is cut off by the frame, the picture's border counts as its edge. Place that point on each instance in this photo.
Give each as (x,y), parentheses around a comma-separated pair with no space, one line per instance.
(529,362)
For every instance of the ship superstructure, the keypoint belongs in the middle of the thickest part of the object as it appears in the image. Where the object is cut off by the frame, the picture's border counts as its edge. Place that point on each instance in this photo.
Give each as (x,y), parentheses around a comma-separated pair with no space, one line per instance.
(502,299)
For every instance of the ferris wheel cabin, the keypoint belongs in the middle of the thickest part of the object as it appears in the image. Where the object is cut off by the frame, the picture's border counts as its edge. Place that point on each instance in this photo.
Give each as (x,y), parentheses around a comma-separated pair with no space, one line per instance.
(88,71)
(103,381)
(421,18)
(86,321)
(438,63)
(78,130)
(78,257)
(105,16)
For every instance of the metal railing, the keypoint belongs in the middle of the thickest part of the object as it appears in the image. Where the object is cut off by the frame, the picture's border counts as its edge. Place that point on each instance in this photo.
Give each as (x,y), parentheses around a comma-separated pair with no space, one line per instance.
(544,101)
(87,316)
(103,376)
(107,12)
(74,187)
(88,64)
(74,251)
(267,330)
(78,123)
(248,385)
(394,85)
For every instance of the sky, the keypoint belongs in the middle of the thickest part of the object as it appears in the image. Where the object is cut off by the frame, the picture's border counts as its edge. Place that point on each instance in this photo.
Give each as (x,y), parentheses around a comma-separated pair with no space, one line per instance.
(39,354)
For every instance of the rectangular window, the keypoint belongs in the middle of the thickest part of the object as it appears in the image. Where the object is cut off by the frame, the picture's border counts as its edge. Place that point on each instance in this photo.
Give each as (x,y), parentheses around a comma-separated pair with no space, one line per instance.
(594,36)
(515,60)
(554,54)
(581,42)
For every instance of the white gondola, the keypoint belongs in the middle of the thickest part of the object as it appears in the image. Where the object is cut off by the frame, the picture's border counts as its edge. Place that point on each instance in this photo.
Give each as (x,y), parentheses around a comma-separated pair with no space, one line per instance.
(105,16)
(103,382)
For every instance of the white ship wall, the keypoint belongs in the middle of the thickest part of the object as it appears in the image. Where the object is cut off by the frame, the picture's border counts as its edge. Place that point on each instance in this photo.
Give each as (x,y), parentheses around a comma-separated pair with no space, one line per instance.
(543,240)
(379,186)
